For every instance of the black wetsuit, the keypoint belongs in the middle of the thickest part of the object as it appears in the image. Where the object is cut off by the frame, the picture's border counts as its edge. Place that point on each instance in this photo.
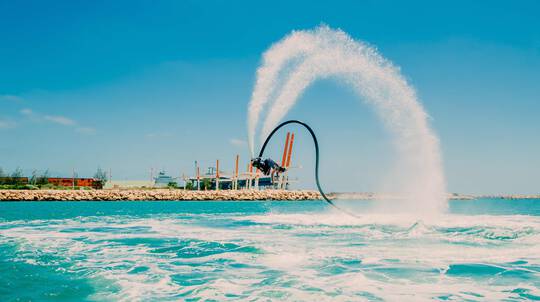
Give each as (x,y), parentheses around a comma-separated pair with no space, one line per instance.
(267,165)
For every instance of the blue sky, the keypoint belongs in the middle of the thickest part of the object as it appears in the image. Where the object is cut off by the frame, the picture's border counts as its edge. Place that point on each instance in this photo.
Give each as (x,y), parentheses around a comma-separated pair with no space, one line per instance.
(130,85)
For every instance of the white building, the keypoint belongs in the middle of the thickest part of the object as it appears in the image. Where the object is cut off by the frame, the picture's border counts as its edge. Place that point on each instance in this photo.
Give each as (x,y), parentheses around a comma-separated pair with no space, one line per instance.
(163,180)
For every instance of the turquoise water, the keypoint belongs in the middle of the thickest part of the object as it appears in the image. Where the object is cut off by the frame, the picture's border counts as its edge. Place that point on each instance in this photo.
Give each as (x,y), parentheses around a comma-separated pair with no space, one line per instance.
(267,251)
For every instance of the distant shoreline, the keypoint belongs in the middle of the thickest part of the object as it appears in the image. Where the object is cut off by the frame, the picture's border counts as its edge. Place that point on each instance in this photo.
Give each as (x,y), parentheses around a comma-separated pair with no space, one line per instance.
(154,195)
(182,195)
(452,196)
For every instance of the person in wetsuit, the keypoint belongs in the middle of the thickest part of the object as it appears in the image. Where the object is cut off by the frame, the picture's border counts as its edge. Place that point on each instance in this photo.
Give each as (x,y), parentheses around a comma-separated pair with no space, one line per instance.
(267,166)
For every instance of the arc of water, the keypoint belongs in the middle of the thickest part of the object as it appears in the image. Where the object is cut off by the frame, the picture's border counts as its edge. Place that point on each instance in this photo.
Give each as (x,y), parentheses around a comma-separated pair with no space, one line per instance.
(291,65)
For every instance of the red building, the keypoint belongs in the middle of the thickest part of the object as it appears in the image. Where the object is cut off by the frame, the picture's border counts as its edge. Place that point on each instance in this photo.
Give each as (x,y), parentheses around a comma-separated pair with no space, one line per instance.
(77,182)
(14,180)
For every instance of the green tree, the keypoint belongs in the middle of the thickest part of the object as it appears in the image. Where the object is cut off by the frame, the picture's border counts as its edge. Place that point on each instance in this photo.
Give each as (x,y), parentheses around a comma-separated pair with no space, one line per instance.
(3,177)
(43,179)
(34,178)
(206,184)
(17,173)
(16,176)
(101,175)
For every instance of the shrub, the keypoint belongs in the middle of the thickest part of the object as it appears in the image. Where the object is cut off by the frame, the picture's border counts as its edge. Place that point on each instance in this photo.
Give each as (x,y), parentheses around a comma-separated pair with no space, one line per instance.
(206,184)
(16,187)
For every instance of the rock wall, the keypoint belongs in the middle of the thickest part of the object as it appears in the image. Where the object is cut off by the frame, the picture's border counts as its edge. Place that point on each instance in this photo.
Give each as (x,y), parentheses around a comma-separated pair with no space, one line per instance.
(165,194)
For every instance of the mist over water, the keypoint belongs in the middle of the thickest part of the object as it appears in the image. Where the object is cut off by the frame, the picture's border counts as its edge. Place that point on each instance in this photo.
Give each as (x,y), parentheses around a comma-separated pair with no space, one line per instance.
(291,65)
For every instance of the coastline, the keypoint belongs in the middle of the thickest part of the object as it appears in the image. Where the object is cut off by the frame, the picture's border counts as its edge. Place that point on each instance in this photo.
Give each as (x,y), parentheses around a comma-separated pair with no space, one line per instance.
(236,195)
(154,195)
(451,196)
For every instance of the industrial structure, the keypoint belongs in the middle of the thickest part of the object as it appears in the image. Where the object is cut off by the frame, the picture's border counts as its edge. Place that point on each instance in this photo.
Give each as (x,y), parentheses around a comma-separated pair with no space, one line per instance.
(215,179)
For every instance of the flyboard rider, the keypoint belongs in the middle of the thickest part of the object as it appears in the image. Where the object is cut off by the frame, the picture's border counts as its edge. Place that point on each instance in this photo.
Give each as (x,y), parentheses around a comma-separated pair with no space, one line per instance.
(268,167)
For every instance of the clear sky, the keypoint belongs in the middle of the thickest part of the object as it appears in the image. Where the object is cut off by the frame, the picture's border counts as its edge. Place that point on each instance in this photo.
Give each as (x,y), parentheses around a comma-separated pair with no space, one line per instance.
(130,85)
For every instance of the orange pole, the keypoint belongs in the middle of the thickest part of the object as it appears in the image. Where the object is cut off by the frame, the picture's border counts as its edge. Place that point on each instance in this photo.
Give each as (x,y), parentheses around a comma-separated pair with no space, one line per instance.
(198,178)
(284,157)
(288,164)
(235,182)
(217,174)
(257,179)
(250,173)
(236,165)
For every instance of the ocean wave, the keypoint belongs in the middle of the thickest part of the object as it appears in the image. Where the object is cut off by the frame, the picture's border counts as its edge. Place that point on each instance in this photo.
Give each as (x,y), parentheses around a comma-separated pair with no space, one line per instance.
(323,256)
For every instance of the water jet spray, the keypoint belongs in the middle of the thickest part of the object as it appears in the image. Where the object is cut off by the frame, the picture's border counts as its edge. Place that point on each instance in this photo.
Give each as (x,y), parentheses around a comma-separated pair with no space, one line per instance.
(292,64)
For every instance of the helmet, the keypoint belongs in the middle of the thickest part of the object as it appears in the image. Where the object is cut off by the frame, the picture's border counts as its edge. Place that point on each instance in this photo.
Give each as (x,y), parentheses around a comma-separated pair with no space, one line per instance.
(257,162)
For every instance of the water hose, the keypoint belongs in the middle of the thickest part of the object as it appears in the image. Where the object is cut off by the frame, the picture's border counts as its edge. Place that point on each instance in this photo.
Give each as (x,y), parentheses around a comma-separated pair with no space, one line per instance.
(330,202)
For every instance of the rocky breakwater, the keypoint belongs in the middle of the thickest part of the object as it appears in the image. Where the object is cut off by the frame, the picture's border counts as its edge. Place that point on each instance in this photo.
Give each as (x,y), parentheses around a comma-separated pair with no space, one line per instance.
(165,194)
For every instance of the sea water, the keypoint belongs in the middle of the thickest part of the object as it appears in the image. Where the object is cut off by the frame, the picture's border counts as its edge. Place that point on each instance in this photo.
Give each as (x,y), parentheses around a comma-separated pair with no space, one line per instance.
(267,251)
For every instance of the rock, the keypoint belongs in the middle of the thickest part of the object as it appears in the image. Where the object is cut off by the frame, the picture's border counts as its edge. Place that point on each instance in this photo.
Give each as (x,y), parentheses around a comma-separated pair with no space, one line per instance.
(158,194)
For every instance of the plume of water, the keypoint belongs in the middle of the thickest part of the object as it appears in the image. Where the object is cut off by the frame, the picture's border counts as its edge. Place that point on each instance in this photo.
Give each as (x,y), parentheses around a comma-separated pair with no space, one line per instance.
(302,57)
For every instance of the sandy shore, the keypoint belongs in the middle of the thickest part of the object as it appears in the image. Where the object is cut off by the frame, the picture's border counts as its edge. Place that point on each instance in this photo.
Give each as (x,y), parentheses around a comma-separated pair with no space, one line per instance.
(165,194)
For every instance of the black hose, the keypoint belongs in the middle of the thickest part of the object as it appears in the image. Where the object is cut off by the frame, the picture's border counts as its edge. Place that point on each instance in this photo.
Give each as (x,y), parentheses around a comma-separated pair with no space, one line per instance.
(316,159)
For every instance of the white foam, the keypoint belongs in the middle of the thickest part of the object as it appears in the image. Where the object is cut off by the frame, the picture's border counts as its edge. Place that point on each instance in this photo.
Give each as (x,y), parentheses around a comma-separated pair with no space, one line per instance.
(298,253)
